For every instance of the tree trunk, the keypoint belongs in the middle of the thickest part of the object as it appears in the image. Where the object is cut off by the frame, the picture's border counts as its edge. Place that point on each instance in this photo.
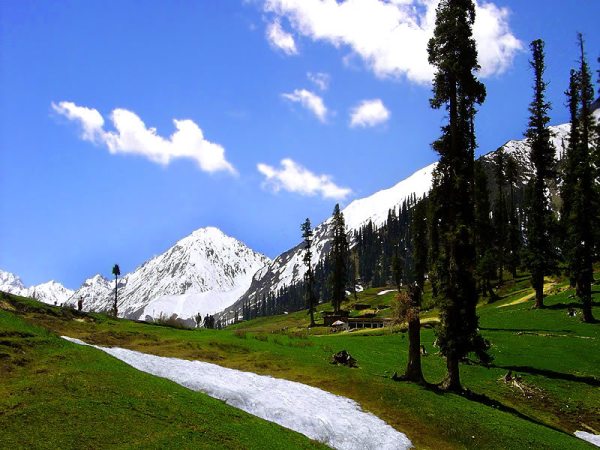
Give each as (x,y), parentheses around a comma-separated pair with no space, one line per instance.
(588,317)
(493,296)
(413,368)
(452,381)
(583,289)
(116,290)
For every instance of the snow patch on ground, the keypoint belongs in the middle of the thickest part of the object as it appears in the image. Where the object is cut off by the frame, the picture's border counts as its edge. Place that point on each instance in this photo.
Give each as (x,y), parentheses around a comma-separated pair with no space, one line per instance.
(333,420)
(591,438)
(387,292)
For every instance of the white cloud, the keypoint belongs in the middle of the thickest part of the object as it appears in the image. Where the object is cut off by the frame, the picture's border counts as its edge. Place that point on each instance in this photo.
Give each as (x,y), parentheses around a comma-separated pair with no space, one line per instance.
(293,177)
(310,101)
(90,119)
(133,137)
(281,39)
(369,113)
(391,36)
(319,79)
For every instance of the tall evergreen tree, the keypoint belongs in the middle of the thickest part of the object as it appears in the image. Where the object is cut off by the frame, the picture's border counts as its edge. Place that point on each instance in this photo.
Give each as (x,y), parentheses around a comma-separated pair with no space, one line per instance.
(487,259)
(569,176)
(514,235)
(309,276)
(453,52)
(116,271)
(339,260)
(578,185)
(418,270)
(434,242)
(500,215)
(540,256)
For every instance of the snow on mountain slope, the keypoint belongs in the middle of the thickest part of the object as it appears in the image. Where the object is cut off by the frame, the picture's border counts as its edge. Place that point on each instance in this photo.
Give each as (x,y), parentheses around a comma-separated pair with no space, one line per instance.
(377,206)
(288,267)
(97,293)
(50,292)
(519,149)
(11,283)
(203,272)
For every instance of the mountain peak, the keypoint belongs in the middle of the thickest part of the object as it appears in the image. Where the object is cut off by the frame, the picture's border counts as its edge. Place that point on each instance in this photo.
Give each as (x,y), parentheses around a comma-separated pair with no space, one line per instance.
(48,292)
(205,271)
(209,232)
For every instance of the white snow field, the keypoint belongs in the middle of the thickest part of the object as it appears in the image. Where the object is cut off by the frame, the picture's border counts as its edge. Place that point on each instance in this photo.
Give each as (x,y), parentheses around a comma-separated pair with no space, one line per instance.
(591,438)
(333,420)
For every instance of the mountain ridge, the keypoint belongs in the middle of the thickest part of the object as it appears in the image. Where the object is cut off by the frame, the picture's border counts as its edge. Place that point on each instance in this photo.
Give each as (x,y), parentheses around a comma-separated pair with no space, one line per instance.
(202,272)
(51,292)
(288,267)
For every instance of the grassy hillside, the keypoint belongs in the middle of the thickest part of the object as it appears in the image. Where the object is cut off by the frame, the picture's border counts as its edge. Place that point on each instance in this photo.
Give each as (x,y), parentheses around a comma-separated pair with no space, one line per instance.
(555,356)
(55,394)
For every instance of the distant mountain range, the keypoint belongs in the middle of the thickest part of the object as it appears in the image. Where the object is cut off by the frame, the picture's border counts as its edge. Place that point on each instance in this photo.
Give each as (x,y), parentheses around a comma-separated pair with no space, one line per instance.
(50,292)
(210,272)
(202,273)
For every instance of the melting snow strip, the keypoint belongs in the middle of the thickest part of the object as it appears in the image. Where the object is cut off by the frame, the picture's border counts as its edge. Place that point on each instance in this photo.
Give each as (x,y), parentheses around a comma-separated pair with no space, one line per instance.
(591,438)
(387,291)
(331,419)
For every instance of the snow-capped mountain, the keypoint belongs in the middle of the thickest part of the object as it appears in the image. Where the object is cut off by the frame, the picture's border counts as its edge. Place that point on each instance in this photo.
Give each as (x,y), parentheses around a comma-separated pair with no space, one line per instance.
(204,272)
(50,292)
(11,283)
(97,293)
(288,268)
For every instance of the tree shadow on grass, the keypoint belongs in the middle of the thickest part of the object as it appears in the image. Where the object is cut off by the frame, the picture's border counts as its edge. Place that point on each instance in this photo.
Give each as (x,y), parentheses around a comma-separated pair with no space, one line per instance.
(574,305)
(486,401)
(525,330)
(490,402)
(591,381)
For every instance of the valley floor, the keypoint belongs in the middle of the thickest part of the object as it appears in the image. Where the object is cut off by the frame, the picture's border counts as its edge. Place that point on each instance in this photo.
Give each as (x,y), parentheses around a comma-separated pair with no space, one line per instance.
(554,358)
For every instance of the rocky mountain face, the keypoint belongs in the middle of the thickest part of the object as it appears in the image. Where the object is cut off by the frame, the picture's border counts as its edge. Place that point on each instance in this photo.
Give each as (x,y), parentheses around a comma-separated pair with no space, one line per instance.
(204,272)
(50,292)
(288,268)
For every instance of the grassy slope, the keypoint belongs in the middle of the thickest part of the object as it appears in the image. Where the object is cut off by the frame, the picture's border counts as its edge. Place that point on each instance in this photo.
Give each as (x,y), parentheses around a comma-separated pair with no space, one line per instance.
(556,356)
(55,394)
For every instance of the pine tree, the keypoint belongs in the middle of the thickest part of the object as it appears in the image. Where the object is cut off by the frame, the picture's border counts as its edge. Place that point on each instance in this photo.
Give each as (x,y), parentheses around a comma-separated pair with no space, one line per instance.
(514,235)
(309,276)
(540,256)
(116,271)
(569,176)
(414,371)
(453,52)
(578,185)
(434,241)
(487,260)
(500,216)
(339,260)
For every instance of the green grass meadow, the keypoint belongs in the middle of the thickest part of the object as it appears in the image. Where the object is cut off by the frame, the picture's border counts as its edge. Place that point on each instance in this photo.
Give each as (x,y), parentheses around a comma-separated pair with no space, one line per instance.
(57,394)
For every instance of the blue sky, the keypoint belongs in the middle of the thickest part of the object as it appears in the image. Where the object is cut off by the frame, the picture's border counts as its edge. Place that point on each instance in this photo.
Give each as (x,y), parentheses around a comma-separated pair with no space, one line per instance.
(81,191)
